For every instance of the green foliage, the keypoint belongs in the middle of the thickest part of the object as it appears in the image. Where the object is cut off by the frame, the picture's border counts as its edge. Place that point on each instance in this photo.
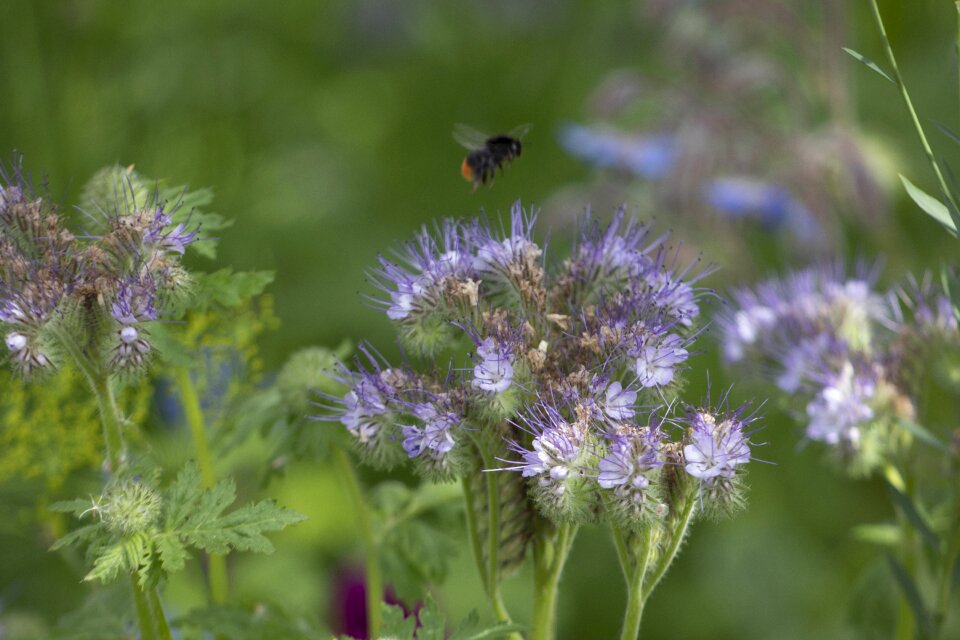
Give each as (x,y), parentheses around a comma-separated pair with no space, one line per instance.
(262,621)
(192,518)
(399,626)
(418,532)
(930,205)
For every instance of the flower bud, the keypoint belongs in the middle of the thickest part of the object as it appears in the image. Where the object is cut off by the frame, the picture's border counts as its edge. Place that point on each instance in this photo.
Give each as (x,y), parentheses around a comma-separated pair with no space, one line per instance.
(130,507)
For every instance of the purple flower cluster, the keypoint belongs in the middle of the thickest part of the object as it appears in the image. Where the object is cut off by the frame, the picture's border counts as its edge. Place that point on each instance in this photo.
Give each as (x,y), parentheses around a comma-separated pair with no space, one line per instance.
(560,360)
(47,273)
(844,348)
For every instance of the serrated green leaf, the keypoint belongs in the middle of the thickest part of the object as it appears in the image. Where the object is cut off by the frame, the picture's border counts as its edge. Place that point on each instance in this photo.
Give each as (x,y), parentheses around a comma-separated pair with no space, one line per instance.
(173,555)
(182,495)
(912,595)
(225,288)
(887,535)
(930,205)
(870,64)
(432,624)
(243,529)
(76,507)
(127,555)
(924,435)
(84,535)
(395,622)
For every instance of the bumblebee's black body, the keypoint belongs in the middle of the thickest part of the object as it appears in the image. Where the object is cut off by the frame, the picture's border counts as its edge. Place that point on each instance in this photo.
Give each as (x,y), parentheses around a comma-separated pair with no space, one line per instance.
(481,164)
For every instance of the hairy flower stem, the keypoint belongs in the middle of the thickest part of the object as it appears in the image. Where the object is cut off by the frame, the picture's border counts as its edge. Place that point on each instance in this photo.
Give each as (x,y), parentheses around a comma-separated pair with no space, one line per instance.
(371,552)
(913,116)
(637,557)
(550,550)
(99,382)
(150,616)
(492,571)
(217,563)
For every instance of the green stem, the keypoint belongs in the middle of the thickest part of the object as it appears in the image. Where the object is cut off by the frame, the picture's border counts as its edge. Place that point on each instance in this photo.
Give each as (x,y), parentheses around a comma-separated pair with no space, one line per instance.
(161,628)
(106,403)
(492,571)
(219,584)
(472,532)
(898,78)
(374,579)
(144,615)
(635,569)
(666,559)
(550,555)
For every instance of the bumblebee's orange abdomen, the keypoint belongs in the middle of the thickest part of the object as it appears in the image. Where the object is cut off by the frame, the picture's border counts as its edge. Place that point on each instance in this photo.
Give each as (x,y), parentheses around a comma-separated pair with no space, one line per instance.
(466,170)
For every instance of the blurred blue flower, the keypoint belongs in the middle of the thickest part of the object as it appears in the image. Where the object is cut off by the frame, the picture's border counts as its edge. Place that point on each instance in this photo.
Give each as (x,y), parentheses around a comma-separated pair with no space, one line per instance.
(770,204)
(646,156)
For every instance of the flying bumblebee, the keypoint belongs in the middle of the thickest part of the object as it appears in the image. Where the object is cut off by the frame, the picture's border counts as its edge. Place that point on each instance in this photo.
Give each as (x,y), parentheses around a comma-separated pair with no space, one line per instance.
(487,153)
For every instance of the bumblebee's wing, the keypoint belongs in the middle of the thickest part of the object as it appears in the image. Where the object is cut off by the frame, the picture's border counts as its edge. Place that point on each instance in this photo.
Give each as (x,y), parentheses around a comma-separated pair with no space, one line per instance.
(469,137)
(520,131)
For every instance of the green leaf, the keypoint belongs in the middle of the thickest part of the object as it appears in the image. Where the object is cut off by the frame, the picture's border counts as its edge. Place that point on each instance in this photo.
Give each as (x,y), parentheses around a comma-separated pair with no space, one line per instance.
(395,623)
(127,555)
(924,435)
(76,507)
(933,207)
(173,555)
(264,621)
(182,495)
(870,64)
(82,536)
(195,517)
(224,288)
(912,595)
(243,529)
(919,522)
(887,535)
(948,132)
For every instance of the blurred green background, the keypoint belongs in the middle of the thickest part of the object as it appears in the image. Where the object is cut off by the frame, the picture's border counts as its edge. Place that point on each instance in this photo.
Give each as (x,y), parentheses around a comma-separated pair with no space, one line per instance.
(324,129)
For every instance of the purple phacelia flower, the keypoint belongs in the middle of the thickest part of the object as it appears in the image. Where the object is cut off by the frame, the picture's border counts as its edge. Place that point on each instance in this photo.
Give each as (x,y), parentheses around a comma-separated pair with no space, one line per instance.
(657,363)
(434,436)
(631,459)
(498,251)
(618,402)
(715,446)
(839,410)
(134,302)
(614,252)
(166,240)
(555,448)
(415,282)
(494,371)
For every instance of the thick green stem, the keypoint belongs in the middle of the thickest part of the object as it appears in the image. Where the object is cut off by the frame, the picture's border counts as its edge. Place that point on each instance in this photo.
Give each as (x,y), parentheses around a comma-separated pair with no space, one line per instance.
(371,552)
(219,584)
(144,615)
(161,628)
(637,559)
(550,556)
(898,78)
